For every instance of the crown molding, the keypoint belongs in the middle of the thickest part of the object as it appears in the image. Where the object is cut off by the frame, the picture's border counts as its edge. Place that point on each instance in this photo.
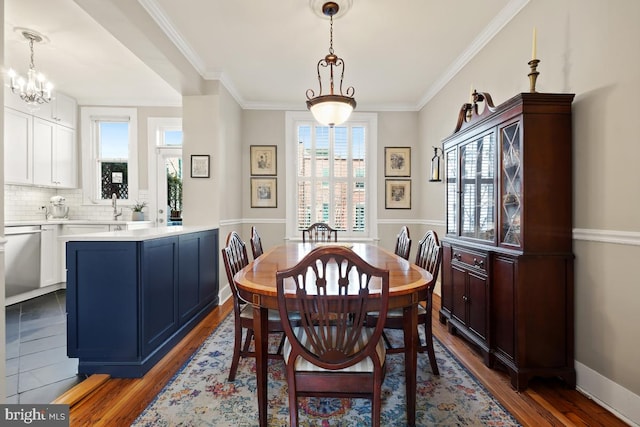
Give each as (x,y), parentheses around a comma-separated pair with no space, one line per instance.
(494,27)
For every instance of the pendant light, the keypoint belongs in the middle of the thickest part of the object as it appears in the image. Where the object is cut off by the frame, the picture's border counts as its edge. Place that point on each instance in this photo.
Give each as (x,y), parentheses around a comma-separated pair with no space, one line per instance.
(333,108)
(35,90)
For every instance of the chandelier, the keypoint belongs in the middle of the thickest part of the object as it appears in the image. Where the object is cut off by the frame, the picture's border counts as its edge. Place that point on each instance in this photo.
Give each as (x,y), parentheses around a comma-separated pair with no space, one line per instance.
(331,109)
(36,89)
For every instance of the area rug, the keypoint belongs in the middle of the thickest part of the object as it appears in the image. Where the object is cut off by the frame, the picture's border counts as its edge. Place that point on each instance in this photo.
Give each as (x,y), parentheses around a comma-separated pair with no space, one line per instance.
(200,395)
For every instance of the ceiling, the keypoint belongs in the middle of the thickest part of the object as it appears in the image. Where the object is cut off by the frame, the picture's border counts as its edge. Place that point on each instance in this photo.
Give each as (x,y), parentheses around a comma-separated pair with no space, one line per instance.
(397,53)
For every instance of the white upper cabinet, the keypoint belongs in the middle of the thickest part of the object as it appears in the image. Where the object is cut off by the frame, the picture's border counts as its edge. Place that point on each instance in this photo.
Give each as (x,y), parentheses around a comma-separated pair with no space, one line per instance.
(18,147)
(40,142)
(62,109)
(65,110)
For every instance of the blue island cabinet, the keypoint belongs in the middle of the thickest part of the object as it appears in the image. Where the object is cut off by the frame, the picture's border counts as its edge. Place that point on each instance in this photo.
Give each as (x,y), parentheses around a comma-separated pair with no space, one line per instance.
(130,302)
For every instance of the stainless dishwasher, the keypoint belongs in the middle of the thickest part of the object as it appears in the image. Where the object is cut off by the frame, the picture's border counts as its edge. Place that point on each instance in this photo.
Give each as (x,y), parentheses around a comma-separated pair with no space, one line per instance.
(22,259)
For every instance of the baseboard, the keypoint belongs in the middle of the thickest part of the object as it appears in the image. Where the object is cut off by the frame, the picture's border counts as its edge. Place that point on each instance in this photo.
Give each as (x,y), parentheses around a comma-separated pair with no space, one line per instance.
(224,293)
(608,394)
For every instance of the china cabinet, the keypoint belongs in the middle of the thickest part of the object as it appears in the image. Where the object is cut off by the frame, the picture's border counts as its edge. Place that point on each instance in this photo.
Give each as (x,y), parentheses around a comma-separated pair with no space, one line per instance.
(507,277)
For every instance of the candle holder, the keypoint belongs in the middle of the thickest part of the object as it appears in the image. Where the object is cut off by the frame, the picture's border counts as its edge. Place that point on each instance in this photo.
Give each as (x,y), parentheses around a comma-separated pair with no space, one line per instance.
(533,75)
(468,111)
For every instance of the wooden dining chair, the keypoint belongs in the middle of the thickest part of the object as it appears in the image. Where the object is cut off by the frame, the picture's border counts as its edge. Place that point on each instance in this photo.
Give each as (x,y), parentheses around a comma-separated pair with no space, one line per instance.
(429,257)
(256,243)
(319,232)
(234,256)
(330,352)
(403,243)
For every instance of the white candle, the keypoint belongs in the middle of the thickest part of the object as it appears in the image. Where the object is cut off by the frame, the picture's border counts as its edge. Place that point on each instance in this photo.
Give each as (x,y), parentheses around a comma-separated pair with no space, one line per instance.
(533,48)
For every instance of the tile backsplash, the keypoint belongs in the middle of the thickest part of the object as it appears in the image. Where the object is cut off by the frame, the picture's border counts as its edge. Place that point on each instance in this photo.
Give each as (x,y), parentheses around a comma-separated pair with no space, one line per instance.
(24,203)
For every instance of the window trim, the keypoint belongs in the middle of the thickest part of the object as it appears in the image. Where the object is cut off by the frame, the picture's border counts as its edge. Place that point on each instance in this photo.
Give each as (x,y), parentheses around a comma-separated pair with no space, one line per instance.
(370,120)
(88,117)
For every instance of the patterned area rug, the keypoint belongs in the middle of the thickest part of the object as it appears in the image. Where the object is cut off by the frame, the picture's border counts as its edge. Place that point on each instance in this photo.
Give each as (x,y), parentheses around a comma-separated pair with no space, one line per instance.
(200,395)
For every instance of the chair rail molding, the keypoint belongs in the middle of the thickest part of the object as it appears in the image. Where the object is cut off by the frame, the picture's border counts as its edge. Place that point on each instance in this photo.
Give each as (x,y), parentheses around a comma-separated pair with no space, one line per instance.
(631,238)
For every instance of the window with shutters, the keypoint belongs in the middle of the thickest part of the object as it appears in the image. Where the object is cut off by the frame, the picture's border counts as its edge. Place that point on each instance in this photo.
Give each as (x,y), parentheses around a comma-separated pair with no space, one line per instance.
(333,176)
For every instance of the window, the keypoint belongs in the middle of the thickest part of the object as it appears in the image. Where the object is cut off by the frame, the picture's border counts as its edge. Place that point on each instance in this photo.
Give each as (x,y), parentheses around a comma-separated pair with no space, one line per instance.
(110,161)
(333,175)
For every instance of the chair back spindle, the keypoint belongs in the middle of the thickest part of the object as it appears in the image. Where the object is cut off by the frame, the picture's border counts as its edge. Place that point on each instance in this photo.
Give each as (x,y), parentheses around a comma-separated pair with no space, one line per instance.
(320,232)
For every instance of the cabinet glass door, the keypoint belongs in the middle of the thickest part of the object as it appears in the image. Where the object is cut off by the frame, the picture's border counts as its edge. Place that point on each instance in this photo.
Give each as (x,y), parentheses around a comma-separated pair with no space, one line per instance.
(477,172)
(511,203)
(451,180)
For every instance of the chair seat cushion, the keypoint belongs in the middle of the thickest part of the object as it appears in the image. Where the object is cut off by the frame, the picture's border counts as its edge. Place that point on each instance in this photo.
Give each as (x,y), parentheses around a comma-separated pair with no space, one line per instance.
(302,364)
(246,312)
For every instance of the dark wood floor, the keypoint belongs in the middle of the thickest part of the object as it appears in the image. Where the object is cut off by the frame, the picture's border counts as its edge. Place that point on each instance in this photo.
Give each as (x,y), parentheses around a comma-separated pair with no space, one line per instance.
(100,400)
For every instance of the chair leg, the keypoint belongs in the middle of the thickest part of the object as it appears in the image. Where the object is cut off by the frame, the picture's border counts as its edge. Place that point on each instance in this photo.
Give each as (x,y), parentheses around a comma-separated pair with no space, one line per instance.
(428,335)
(236,351)
(293,403)
(376,406)
(247,341)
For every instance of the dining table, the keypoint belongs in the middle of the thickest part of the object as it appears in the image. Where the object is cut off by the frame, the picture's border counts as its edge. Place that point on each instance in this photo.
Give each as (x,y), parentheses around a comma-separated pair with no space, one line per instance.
(408,284)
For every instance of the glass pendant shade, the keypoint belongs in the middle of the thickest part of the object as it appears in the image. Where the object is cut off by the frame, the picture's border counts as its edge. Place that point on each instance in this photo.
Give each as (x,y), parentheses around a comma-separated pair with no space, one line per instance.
(331,110)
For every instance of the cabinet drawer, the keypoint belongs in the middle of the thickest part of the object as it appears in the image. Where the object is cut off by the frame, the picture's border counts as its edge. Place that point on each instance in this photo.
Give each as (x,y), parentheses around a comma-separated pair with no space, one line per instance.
(469,257)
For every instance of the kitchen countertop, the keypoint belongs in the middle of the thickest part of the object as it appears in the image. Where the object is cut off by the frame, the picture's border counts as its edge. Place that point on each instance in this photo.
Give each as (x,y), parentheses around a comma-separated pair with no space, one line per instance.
(136,235)
(71,221)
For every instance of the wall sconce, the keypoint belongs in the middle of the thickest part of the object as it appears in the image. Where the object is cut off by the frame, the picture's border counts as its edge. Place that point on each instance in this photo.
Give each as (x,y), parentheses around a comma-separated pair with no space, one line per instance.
(435,165)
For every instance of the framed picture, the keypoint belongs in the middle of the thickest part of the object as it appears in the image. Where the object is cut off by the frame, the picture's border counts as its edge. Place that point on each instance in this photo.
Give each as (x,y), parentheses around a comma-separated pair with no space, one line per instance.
(398,194)
(397,161)
(264,193)
(199,166)
(264,160)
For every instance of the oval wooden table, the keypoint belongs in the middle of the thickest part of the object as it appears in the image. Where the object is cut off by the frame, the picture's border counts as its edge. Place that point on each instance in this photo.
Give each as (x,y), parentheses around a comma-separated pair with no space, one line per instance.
(407,285)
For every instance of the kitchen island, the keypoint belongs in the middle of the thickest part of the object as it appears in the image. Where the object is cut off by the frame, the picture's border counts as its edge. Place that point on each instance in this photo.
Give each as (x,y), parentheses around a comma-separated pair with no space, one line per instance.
(133,294)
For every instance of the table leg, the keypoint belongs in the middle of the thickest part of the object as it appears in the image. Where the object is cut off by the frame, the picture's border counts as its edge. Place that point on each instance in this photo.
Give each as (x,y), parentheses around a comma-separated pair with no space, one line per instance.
(410,322)
(261,337)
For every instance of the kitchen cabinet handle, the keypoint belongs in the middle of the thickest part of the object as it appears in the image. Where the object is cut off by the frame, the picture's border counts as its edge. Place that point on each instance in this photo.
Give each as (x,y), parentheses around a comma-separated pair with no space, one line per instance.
(465,298)
(478,263)
(457,256)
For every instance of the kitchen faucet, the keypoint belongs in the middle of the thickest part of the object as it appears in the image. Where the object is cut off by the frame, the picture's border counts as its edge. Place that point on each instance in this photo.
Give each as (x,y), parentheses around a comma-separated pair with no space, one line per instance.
(114,203)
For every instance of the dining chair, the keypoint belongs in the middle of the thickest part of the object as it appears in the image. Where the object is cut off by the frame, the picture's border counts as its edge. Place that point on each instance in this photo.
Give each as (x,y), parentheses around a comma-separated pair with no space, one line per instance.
(256,243)
(429,257)
(319,232)
(234,256)
(403,243)
(330,352)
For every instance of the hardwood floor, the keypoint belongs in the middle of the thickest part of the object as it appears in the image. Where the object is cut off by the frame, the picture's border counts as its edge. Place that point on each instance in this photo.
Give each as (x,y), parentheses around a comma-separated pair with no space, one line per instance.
(100,400)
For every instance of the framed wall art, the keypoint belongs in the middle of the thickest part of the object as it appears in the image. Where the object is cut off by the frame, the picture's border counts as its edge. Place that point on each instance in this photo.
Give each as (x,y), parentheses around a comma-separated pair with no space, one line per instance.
(264,193)
(397,161)
(199,166)
(397,194)
(264,160)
